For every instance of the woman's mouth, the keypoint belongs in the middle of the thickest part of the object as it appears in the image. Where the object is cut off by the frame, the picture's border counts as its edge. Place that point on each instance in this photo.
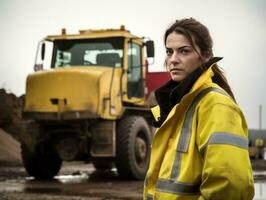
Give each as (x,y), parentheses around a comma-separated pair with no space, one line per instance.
(175,70)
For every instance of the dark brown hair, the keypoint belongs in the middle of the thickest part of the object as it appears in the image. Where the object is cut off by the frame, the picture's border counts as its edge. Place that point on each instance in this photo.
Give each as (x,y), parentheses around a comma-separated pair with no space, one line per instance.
(199,35)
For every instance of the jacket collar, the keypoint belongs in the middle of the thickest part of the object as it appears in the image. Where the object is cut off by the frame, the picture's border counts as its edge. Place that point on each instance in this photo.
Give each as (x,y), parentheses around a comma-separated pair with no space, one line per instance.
(172,92)
(206,74)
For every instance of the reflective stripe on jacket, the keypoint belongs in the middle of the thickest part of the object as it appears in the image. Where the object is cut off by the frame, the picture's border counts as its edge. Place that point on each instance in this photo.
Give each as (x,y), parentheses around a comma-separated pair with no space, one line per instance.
(201,149)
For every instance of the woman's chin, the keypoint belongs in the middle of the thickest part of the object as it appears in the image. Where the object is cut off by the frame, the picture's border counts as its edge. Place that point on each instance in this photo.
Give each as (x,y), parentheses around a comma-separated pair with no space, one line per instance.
(177,77)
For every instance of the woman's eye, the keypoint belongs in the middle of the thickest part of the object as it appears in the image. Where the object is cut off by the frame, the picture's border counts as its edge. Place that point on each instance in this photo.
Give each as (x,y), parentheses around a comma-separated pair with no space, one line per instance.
(184,51)
(168,52)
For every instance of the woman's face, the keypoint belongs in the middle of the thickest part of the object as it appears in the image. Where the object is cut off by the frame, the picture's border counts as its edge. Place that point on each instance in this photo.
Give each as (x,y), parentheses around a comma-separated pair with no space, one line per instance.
(181,57)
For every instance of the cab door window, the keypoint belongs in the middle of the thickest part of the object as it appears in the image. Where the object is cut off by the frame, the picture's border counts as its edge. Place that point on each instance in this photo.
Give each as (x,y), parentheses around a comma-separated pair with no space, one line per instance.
(135,81)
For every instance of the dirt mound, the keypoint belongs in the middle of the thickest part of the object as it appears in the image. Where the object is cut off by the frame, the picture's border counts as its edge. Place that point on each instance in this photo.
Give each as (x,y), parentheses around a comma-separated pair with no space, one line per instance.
(10,125)
(11,113)
(9,147)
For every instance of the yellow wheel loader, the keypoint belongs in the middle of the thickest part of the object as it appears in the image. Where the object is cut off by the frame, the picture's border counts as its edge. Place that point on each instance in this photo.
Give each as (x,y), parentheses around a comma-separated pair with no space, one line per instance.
(90,97)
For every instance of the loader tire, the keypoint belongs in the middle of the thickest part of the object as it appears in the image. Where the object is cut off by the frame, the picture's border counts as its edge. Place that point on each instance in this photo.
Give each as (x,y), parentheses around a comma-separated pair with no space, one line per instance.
(133,147)
(39,163)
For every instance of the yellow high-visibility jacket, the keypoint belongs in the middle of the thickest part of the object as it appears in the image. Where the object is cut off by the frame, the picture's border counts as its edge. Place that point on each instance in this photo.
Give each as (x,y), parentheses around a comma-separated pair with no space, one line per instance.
(201,149)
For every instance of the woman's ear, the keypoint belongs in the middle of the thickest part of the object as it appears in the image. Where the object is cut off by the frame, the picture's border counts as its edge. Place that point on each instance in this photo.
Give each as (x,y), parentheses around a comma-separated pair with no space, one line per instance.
(207,57)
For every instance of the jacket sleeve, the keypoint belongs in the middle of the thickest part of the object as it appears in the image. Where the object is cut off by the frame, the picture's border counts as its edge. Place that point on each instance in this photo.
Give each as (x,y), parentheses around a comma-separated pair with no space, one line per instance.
(222,139)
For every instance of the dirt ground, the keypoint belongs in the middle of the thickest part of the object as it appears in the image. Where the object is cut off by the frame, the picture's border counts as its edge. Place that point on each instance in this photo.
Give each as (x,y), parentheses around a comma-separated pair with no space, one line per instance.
(77,181)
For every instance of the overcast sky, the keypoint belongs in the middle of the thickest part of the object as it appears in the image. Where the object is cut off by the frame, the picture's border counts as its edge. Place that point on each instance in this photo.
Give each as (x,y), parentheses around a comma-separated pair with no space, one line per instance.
(238,29)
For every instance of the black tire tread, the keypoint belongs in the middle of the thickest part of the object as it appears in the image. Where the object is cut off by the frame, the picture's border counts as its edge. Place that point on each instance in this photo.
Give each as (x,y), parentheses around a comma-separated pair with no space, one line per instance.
(40,166)
(124,162)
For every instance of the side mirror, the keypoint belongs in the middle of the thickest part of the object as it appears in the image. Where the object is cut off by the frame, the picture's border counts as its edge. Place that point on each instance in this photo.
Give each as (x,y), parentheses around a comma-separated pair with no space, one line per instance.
(150,48)
(43,51)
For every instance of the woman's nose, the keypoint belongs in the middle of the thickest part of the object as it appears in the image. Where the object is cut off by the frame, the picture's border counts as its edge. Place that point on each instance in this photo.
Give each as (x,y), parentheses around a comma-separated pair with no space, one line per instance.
(174,57)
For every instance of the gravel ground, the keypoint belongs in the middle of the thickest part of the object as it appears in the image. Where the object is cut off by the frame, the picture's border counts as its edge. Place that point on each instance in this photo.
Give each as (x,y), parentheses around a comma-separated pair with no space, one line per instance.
(76,181)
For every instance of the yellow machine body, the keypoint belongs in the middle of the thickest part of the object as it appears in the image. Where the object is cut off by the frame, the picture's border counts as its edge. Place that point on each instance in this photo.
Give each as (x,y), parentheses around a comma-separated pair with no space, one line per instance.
(84,92)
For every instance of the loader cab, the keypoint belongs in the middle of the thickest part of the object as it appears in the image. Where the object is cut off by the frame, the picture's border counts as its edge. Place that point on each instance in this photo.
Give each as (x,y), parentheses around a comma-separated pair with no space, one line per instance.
(125,53)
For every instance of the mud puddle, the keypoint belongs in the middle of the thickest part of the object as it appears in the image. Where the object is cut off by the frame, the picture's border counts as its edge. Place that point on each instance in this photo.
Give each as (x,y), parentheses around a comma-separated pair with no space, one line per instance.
(75,181)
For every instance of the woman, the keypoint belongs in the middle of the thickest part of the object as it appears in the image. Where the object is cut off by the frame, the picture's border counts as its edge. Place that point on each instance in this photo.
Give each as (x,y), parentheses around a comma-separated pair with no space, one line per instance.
(200,149)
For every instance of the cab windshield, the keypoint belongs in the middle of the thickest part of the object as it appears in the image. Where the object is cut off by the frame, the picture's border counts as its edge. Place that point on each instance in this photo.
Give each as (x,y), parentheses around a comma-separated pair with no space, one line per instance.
(88,52)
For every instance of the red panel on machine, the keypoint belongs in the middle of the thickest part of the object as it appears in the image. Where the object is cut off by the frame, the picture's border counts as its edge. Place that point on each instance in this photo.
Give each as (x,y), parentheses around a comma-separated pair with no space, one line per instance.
(156,79)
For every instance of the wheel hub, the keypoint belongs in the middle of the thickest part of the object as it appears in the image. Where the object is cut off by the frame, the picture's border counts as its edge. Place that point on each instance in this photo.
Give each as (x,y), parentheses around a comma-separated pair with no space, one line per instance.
(67,149)
(141,149)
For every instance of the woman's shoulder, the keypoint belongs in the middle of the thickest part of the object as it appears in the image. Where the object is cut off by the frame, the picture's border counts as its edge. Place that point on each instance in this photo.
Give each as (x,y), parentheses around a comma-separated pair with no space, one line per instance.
(217,96)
